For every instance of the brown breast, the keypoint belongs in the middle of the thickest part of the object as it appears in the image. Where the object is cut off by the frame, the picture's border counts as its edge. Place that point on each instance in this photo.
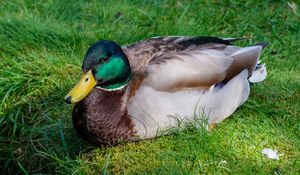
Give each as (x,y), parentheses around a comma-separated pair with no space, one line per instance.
(102,118)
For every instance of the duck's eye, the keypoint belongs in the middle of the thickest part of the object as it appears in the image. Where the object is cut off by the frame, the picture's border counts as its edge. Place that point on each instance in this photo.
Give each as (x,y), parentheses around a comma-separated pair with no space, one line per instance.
(105,59)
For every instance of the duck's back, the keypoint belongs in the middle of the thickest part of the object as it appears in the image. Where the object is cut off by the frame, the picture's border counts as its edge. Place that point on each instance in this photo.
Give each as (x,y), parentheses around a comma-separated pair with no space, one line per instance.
(175,63)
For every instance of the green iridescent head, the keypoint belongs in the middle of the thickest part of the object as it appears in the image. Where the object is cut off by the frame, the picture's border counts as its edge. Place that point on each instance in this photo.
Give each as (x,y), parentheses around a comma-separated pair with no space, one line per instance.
(105,65)
(109,64)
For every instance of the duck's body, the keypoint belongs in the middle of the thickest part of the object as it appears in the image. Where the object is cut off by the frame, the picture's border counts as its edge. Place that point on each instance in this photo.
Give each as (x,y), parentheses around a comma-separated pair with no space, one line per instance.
(173,79)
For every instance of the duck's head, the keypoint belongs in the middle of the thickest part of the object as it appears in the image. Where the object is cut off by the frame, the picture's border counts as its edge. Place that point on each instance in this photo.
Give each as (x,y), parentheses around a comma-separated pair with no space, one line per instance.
(106,66)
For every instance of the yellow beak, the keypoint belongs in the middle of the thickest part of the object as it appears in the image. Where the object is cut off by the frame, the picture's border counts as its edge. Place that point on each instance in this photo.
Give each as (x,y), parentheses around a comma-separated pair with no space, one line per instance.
(82,88)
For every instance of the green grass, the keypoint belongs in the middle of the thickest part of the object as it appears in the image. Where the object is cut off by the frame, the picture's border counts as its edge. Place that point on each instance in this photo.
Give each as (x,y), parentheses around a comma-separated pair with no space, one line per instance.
(42,44)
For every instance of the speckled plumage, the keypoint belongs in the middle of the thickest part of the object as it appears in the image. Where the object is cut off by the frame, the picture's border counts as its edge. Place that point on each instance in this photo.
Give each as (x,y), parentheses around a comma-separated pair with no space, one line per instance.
(102,117)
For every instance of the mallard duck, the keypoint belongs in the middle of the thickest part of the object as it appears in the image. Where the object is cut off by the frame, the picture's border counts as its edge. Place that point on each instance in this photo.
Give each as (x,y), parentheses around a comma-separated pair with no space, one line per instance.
(140,90)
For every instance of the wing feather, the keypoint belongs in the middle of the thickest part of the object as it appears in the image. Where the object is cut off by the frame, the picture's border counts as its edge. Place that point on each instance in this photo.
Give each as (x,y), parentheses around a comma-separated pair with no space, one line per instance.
(177,63)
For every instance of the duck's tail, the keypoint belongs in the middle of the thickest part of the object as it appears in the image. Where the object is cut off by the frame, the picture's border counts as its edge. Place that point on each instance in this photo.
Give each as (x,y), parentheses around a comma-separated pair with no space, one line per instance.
(259,74)
(260,71)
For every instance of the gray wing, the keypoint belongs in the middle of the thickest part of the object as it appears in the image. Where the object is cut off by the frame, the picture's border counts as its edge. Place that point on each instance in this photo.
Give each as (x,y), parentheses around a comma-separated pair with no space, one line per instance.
(157,49)
(176,63)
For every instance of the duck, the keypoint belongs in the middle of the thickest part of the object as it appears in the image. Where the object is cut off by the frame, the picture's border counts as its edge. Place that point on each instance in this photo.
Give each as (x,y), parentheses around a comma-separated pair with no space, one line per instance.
(142,90)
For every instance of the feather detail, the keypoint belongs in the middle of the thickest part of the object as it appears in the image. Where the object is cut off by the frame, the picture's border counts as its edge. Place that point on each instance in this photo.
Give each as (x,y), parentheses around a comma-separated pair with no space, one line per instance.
(145,52)
(259,74)
(176,63)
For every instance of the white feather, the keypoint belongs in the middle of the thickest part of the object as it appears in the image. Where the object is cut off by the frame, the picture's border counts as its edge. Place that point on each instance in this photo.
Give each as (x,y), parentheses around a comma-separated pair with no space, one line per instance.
(259,74)
(271,154)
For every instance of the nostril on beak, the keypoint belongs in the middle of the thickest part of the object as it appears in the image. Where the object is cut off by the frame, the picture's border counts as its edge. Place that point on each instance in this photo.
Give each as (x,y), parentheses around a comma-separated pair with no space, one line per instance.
(68,99)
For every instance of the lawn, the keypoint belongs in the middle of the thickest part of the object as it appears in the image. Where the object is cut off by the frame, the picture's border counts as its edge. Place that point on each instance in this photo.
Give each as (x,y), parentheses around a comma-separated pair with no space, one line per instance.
(42,45)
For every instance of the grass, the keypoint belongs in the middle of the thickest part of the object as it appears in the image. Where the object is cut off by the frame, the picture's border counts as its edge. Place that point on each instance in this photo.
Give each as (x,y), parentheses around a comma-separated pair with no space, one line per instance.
(42,44)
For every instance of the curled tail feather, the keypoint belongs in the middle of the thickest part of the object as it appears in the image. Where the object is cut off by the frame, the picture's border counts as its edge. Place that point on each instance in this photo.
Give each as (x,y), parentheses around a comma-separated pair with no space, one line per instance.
(259,74)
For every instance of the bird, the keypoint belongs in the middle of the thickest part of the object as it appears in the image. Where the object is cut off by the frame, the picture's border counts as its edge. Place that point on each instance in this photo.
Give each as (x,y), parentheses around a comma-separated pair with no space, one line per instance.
(142,90)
